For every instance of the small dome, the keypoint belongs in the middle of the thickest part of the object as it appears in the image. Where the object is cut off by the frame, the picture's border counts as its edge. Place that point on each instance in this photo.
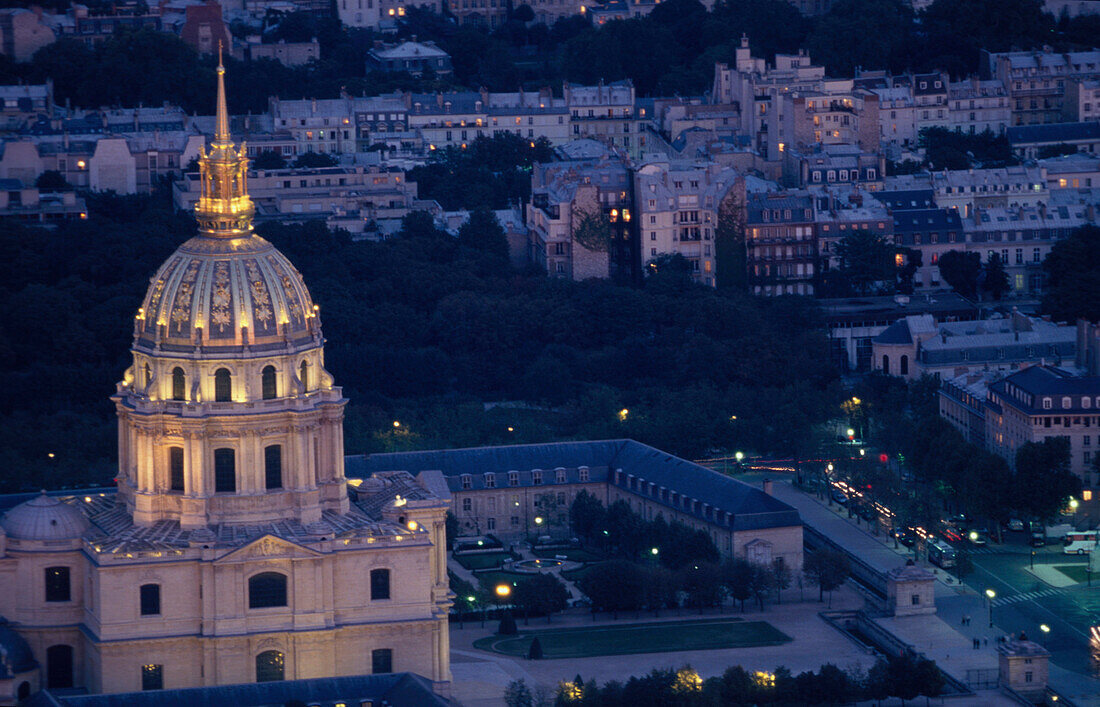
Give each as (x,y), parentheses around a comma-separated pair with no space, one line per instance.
(15,654)
(226,292)
(44,518)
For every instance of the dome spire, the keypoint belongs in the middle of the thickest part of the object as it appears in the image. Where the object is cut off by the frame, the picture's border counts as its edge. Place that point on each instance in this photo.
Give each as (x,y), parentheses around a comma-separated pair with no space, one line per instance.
(224,209)
(221,132)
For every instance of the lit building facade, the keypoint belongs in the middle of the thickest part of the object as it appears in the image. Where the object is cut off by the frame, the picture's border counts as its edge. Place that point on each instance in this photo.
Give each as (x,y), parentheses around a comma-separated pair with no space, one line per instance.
(231,552)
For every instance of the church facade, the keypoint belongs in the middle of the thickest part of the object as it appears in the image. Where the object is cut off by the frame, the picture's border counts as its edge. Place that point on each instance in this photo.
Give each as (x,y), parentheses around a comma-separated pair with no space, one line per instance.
(230,552)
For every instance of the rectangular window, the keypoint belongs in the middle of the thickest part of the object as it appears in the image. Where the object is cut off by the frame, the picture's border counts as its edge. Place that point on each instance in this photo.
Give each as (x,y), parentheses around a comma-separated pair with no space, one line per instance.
(150,599)
(225,471)
(491,523)
(379,584)
(57,584)
(175,468)
(515,521)
(152,677)
(273,466)
(584,475)
(467,505)
(513,478)
(536,478)
(560,476)
(467,482)
(490,481)
(381,661)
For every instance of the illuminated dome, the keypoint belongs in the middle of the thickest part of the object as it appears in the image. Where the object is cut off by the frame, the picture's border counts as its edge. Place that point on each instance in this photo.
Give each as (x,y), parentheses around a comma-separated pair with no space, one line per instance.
(44,518)
(220,292)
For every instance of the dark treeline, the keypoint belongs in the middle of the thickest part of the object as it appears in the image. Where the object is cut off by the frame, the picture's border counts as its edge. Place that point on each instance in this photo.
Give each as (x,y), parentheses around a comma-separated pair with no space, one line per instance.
(670,51)
(423,328)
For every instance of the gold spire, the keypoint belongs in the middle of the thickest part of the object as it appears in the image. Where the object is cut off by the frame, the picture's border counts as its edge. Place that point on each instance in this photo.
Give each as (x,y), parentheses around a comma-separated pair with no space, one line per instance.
(221,132)
(224,209)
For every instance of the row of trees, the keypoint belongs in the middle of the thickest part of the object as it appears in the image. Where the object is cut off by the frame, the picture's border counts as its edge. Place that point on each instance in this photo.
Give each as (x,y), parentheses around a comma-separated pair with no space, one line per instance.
(905,676)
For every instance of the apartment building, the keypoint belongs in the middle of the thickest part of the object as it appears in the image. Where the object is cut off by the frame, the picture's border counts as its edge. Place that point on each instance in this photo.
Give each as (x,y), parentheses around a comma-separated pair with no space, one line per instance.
(1082,100)
(581,218)
(679,206)
(23,104)
(833,165)
(841,212)
(607,112)
(780,245)
(479,13)
(380,14)
(964,189)
(27,203)
(1022,237)
(975,106)
(1036,141)
(1036,80)
(931,232)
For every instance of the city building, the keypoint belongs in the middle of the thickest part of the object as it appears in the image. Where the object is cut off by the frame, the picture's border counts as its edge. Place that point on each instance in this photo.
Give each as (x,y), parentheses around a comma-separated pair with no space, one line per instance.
(580,218)
(607,113)
(975,106)
(479,13)
(382,14)
(833,165)
(414,58)
(505,490)
(230,551)
(679,206)
(918,345)
(24,104)
(931,232)
(286,53)
(30,204)
(1037,141)
(1082,100)
(1076,171)
(780,243)
(372,193)
(852,323)
(1036,80)
(23,32)
(841,212)
(1041,402)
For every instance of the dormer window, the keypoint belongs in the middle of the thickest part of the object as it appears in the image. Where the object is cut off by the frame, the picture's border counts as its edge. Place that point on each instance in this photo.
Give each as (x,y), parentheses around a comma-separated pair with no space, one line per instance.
(1047,403)
(467,482)
(1067,402)
(490,481)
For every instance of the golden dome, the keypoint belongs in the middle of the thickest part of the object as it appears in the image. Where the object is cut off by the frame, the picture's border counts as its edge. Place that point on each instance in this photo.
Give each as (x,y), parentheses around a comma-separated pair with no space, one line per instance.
(226,287)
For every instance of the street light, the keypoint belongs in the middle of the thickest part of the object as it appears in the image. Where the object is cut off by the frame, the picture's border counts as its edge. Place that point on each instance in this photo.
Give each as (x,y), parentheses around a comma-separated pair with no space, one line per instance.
(504,591)
(622,414)
(396,423)
(654,551)
(739,456)
(990,595)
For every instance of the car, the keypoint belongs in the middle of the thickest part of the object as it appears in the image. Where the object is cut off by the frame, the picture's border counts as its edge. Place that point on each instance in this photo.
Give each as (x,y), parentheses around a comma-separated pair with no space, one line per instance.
(1015,524)
(977,538)
(839,497)
(905,536)
(1038,540)
(866,512)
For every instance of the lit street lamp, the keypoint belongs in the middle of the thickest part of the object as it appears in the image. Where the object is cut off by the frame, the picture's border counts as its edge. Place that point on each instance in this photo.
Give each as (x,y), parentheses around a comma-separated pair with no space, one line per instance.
(990,595)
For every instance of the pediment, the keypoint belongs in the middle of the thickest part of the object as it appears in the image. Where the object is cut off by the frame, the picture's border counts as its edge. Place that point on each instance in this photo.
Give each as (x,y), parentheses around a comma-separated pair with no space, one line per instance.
(268,547)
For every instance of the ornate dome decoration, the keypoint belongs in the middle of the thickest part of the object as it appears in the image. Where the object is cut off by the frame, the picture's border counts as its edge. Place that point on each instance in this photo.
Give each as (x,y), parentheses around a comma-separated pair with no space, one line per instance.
(226,286)
(44,518)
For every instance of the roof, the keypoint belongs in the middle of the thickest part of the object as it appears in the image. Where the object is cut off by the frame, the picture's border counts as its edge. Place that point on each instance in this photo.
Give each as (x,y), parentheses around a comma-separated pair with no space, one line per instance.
(396,689)
(750,507)
(926,219)
(904,199)
(896,333)
(410,50)
(1027,389)
(1053,132)
(15,654)
(44,518)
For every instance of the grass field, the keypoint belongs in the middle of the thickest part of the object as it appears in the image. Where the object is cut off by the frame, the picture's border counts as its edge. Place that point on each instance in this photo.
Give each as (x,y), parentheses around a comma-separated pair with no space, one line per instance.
(575,574)
(583,642)
(492,579)
(482,561)
(1075,572)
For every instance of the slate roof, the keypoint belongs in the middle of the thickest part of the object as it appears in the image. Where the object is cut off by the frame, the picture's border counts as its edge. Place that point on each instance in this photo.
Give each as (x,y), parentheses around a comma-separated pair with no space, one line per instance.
(896,333)
(1053,132)
(1025,390)
(750,507)
(395,689)
(926,219)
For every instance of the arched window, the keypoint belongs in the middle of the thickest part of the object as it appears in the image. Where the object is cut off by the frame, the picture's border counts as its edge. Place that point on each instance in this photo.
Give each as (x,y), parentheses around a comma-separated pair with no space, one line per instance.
(268,383)
(225,471)
(270,666)
(223,386)
(59,666)
(175,468)
(24,690)
(179,384)
(379,584)
(886,364)
(266,589)
(273,466)
(904,365)
(304,375)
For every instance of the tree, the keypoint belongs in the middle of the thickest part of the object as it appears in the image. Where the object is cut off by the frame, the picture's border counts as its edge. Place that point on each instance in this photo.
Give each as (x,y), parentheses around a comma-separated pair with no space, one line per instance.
(729,245)
(1043,481)
(760,583)
(586,516)
(534,651)
(541,594)
(523,13)
(866,261)
(517,694)
(313,160)
(781,577)
(592,231)
(703,585)
(269,159)
(615,587)
(507,626)
(668,273)
(828,569)
(483,232)
(737,579)
(960,270)
(1073,269)
(52,180)
(994,277)
(451,529)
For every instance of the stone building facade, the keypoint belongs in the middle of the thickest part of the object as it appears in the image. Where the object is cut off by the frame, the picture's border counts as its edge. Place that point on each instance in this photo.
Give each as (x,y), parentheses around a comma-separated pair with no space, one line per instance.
(231,552)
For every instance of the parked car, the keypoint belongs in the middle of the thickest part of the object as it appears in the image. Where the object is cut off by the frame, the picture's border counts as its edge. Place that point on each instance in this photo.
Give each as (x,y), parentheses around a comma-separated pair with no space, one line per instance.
(1015,524)
(905,536)
(839,497)
(977,538)
(1038,540)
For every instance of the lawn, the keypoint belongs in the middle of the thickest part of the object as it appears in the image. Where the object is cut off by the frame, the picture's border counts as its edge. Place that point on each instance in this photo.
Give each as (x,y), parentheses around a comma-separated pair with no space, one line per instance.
(572,554)
(1077,573)
(492,579)
(482,561)
(583,642)
(575,574)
